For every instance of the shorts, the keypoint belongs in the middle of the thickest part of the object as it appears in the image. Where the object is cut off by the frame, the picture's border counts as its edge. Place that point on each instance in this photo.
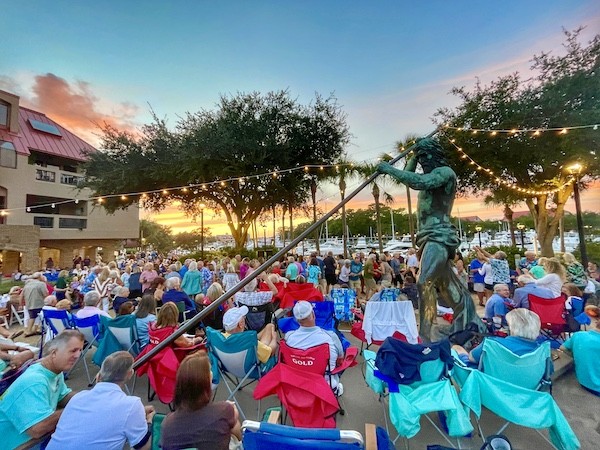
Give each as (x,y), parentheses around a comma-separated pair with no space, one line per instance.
(33,313)
(355,284)
(330,278)
(478,287)
(370,283)
(489,287)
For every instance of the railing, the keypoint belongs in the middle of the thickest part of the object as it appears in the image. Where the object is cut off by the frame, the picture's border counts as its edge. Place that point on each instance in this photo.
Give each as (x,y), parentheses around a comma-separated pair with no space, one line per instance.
(72,223)
(45,175)
(44,222)
(71,180)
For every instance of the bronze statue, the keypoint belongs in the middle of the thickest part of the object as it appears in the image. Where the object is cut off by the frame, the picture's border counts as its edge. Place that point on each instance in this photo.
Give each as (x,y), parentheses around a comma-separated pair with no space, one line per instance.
(437,237)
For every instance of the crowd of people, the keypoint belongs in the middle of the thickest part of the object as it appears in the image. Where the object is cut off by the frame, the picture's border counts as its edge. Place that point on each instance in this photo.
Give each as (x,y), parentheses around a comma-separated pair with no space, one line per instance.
(138,284)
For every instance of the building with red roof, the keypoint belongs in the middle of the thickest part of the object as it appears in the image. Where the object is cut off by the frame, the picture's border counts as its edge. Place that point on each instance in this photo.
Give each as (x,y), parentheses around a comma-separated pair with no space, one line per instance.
(43,212)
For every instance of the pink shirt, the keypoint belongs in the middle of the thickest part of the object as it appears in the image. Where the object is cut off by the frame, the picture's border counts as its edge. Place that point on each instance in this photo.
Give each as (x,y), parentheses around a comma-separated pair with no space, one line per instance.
(146,278)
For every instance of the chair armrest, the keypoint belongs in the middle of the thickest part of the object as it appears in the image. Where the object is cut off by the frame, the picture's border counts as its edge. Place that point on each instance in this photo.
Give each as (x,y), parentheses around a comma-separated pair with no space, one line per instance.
(370,437)
(274,416)
(33,443)
(349,360)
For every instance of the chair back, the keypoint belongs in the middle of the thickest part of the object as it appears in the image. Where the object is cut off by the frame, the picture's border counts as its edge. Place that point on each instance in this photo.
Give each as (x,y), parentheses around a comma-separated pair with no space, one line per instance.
(314,359)
(57,320)
(389,294)
(382,319)
(324,317)
(124,330)
(527,371)
(236,354)
(265,436)
(89,327)
(343,301)
(551,311)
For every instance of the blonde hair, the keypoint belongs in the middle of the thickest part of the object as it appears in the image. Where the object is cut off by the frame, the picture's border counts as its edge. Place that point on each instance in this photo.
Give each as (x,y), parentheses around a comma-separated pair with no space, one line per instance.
(553,265)
(104,275)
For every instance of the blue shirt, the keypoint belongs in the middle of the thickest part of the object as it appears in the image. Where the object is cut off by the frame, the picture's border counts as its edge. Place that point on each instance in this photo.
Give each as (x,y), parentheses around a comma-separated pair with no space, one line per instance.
(585,346)
(495,307)
(355,267)
(173,295)
(520,297)
(33,397)
(476,265)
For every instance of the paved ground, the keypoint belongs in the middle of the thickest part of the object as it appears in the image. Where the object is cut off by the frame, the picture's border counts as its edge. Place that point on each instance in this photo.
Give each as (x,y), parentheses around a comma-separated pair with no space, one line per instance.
(581,408)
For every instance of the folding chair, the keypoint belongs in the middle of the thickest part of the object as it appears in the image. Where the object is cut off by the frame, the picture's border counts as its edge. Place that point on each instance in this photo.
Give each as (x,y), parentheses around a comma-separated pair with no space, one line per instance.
(343,300)
(118,334)
(389,294)
(412,390)
(552,314)
(316,360)
(236,360)
(513,387)
(17,315)
(53,322)
(382,319)
(90,328)
(265,436)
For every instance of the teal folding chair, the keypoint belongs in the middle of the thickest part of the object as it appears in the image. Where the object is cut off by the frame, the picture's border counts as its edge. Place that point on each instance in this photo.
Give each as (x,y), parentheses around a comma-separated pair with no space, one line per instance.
(118,334)
(236,361)
(512,387)
(406,403)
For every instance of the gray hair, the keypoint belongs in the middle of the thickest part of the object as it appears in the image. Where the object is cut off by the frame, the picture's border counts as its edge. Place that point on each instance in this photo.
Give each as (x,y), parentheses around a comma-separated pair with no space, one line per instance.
(525,279)
(116,367)
(499,286)
(62,339)
(193,266)
(173,268)
(91,298)
(172,283)
(523,323)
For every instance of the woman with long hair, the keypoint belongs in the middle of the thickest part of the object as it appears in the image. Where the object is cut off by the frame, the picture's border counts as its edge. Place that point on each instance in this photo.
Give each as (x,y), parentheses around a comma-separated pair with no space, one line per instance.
(555,276)
(197,422)
(575,271)
(144,315)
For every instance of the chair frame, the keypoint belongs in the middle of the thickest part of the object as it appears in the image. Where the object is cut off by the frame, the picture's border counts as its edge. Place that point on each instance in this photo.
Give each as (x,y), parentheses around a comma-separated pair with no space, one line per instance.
(48,315)
(90,328)
(553,330)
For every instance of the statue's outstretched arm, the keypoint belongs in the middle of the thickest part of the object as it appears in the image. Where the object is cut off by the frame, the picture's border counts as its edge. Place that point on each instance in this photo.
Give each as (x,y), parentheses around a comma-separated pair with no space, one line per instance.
(421,181)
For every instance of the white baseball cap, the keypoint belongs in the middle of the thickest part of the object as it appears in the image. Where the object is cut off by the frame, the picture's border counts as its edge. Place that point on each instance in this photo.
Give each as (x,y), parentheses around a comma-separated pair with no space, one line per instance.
(302,310)
(233,316)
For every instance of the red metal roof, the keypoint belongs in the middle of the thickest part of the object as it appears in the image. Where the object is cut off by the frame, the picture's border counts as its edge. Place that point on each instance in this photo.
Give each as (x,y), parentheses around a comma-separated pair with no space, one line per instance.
(68,145)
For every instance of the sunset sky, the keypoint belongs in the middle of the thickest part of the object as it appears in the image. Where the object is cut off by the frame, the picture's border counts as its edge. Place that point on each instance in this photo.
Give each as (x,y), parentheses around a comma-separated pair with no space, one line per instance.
(390,63)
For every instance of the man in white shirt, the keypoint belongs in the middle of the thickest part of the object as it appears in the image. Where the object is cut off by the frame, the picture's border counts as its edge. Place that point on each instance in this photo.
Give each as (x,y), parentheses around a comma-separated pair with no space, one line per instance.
(105,417)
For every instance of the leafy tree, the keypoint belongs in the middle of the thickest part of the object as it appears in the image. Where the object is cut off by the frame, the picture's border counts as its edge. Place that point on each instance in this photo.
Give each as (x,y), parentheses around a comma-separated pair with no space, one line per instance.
(156,235)
(246,135)
(563,92)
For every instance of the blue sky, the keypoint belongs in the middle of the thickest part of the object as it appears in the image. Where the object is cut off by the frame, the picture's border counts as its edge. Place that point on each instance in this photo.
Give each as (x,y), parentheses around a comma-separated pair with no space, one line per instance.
(390,63)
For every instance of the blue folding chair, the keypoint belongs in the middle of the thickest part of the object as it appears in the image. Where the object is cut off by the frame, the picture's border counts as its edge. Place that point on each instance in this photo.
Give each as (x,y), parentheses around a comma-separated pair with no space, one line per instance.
(266,436)
(389,294)
(236,359)
(343,300)
(53,322)
(90,328)
(432,391)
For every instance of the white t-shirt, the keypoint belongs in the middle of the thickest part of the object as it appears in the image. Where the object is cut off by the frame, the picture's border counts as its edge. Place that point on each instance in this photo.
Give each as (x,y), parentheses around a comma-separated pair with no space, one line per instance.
(486,271)
(552,282)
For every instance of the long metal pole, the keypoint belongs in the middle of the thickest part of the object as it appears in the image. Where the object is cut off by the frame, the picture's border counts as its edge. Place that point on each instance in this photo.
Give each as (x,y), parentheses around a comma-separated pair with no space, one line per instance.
(248,278)
(582,247)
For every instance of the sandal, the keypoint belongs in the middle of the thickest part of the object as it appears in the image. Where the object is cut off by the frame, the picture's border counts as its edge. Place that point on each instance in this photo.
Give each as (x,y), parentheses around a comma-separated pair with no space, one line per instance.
(16,334)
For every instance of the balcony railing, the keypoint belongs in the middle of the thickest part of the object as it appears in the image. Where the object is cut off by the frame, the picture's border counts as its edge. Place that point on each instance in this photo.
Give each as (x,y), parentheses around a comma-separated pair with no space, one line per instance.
(72,223)
(45,175)
(71,180)
(44,222)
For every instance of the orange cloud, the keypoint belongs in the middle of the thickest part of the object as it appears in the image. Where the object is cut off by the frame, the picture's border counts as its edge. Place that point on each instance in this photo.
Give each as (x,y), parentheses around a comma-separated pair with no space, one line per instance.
(74,106)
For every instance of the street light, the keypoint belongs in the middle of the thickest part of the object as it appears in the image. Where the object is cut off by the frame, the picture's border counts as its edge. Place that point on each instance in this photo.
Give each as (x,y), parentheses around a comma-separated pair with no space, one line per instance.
(202,206)
(264,225)
(478,229)
(521,227)
(576,170)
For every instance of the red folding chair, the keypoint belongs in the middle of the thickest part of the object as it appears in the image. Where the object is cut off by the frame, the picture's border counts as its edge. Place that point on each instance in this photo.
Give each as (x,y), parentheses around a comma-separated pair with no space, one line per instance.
(552,314)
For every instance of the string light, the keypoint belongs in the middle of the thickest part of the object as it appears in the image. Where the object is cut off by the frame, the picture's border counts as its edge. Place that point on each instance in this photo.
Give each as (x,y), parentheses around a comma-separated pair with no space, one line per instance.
(535,131)
(505,183)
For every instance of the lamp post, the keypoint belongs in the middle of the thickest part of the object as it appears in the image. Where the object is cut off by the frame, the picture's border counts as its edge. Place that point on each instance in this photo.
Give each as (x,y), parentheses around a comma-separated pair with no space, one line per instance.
(264,235)
(521,227)
(576,170)
(478,229)
(202,206)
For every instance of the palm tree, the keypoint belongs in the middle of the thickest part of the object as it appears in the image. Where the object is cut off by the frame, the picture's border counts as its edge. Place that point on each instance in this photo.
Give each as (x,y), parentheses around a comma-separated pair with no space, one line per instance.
(377,189)
(409,139)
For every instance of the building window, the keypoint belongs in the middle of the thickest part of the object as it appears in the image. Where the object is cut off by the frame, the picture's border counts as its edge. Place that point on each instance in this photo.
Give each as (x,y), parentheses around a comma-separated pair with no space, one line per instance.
(4,114)
(44,222)
(72,223)
(8,155)
(70,179)
(45,175)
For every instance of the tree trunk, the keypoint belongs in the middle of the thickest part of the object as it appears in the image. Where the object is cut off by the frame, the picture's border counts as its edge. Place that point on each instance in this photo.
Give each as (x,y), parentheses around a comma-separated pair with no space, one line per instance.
(378,216)
(313,192)
(342,186)
(283,224)
(508,214)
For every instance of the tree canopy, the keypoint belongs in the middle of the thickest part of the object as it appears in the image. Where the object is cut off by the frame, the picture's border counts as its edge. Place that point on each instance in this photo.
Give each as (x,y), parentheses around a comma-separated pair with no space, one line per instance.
(247,135)
(563,92)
